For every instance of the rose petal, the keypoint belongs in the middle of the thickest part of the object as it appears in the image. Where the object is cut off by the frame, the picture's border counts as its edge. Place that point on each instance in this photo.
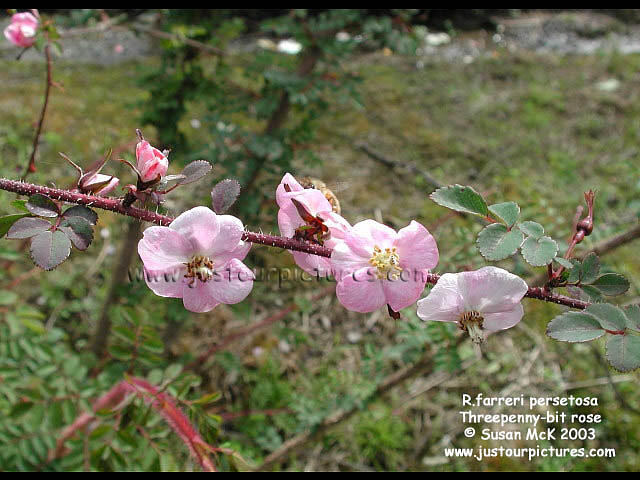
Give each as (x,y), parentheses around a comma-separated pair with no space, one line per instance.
(313,264)
(366,235)
(282,196)
(490,290)
(168,283)
(162,248)
(405,290)
(361,292)
(501,320)
(344,261)
(229,236)
(417,248)
(444,303)
(232,283)
(197,297)
(200,227)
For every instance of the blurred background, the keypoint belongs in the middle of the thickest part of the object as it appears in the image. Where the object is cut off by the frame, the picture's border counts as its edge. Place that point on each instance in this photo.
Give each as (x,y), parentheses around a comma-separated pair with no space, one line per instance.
(534,106)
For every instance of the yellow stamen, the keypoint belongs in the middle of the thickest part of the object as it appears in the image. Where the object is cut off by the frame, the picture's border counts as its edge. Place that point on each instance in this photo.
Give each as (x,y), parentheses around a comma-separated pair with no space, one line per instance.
(387,262)
(471,322)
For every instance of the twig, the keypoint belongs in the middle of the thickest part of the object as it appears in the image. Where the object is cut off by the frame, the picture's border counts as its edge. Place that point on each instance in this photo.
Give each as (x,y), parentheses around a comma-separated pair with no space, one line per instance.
(31,168)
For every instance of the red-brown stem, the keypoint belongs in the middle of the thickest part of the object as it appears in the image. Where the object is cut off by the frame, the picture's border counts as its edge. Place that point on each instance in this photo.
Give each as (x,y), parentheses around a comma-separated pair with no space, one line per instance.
(115,205)
(31,168)
(163,403)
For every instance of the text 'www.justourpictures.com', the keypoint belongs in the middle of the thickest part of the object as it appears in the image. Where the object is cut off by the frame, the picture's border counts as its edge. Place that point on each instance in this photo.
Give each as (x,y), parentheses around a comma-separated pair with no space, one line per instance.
(480,453)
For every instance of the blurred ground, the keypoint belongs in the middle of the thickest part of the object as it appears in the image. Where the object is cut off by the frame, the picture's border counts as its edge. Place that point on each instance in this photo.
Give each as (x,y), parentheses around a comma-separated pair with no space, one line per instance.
(537,112)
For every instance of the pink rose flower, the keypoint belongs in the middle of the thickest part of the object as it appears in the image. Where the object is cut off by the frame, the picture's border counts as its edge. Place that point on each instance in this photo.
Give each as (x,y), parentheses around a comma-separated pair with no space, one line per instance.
(198,258)
(289,220)
(483,301)
(151,162)
(375,266)
(22,29)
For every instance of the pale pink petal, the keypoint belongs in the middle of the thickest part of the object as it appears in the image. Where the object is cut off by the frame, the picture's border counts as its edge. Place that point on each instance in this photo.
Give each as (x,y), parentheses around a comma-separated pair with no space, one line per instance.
(167,283)
(344,261)
(417,249)
(229,236)
(282,196)
(232,283)
(313,264)
(338,226)
(200,227)
(406,289)
(162,248)
(287,224)
(444,303)
(25,18)
(366,235)
(197,297)
(490,289)
(240,252)
(361,291)
(502,320)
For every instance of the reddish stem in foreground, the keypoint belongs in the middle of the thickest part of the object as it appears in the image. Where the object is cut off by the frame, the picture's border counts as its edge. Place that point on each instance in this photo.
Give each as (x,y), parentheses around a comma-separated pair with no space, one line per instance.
(31,168)
(163,403)
(115,205)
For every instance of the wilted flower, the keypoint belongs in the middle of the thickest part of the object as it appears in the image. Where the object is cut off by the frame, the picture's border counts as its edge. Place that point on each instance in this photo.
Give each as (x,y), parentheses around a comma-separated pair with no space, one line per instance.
(198,258)
(22,29)
(331,227)
(375,265)
(485,300)
(152,164)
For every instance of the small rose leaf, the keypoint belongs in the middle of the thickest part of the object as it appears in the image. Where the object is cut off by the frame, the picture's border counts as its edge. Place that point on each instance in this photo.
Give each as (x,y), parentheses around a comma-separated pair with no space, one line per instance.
(623,352)
(7,221)
(509,212)
(539,252)
(495,242)
(574,327)
(28,227)
(82,212)
(461,199)
(49,249)
(224,194)
(195,171)
(79,231)
(611,284)
(42,206)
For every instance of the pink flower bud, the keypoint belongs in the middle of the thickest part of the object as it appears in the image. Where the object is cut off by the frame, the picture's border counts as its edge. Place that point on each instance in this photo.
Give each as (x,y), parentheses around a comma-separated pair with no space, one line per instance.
(22,30)
(98,184)
(151,162)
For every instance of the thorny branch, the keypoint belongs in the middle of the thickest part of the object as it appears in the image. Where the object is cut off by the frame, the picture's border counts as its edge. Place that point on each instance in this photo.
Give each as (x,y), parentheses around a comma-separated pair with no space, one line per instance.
(115,205)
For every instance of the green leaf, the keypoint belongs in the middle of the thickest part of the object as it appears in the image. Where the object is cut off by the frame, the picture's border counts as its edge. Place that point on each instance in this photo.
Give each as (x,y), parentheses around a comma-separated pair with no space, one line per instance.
(632,312)
(208,398)
(590,268)
(509,212)
(50,249)
(623,352)
(564,262)
(611,284)
(461,199)
(42,206)
(79,231)
(609,316)
(531,229)
(7,221)
(82,211)
(575,275)
(495,242)
(28,227)
(574,327)
(539,252)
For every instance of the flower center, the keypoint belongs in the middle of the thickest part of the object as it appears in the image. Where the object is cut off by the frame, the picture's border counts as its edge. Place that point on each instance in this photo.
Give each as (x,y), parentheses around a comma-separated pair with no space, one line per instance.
(471,322)
(199,267)
(387,262)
